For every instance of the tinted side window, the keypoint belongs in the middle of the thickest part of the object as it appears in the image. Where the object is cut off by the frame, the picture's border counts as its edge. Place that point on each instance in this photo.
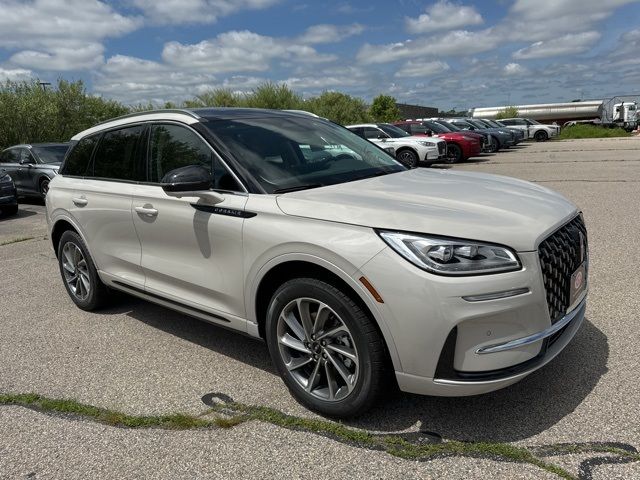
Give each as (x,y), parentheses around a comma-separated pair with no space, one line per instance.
(370,132)
(119,155)
(173,146)
(26,157)
(358,131)
(79,157)
(10,156)
(416,128)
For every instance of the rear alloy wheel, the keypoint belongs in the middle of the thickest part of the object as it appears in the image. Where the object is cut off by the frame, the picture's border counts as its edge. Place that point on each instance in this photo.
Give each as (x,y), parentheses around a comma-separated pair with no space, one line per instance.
(454,153)
(44,187)
(408,158)
(326,349)
(541,136)
(79,273)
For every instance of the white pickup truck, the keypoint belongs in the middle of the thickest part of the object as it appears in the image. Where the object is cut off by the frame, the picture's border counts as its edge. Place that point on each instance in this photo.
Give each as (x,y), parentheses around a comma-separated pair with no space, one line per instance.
(411,151)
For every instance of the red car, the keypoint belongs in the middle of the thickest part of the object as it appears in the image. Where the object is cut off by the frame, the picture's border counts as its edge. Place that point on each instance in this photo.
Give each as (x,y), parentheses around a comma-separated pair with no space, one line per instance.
(460,145)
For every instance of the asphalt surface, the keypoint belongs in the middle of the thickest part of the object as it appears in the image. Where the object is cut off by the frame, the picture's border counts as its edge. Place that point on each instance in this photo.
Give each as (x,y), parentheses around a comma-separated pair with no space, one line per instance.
(143,359)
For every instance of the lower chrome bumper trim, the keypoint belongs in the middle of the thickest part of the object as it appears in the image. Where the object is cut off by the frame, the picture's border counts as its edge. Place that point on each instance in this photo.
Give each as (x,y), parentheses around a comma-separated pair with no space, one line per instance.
(536,337)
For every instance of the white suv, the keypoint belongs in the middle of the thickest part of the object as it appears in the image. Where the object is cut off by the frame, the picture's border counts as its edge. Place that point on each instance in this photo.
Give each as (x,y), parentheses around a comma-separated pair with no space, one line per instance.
(411,151)
(534,129)
(356,271)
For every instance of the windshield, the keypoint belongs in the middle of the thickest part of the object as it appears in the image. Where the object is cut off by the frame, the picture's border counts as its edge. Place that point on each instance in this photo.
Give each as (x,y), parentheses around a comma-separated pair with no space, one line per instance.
(51,154)
(491,123)
(436,127)
(532,122)
(294,153)
(393,131)
(450,126)
(476,123)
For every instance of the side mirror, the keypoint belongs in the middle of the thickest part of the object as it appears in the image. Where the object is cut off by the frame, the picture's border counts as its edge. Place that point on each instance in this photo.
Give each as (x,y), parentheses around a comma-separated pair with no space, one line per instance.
(429,133)
(190,181)
(382,136)
(27,161)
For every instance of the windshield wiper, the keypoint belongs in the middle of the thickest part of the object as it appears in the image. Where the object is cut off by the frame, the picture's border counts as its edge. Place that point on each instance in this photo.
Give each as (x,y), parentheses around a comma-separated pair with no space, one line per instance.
(297,187)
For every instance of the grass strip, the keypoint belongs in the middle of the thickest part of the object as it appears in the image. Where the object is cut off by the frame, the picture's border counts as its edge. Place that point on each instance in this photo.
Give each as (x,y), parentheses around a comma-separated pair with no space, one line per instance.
(590,131)
(394,444)
(15,240)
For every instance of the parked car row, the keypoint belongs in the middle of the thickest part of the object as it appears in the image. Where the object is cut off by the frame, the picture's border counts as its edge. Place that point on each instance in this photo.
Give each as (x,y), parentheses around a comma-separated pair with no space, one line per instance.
(424,142)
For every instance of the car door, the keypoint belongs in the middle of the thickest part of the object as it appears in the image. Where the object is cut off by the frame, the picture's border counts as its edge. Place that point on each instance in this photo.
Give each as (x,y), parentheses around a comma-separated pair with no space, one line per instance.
(101,202)
(191,252)
(27,172)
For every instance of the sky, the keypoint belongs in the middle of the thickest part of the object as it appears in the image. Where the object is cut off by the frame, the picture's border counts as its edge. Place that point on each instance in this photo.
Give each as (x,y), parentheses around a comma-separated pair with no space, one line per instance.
(447,53)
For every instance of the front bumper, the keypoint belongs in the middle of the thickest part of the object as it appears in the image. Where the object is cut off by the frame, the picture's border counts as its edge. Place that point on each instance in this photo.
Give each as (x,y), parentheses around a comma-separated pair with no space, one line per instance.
(451,343)
(11,199)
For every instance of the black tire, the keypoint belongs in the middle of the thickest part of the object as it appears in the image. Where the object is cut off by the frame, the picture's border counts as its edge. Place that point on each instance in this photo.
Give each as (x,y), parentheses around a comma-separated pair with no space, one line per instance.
(408,158)
(494,145)
(12,210)
(454,153)
(98,293)
(541,136)
(373,372)
(44,186)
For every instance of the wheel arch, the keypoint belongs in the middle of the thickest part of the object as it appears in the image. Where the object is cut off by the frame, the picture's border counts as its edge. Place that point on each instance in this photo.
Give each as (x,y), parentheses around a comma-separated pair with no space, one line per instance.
(61,225)
(299,266)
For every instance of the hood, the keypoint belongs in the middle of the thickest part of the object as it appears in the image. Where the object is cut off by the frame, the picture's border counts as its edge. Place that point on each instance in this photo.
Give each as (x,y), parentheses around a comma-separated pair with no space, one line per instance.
(467,205)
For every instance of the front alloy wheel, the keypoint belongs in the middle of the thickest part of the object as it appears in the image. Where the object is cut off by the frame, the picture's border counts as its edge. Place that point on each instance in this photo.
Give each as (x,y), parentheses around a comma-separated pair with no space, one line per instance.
(318,349)
(326,348)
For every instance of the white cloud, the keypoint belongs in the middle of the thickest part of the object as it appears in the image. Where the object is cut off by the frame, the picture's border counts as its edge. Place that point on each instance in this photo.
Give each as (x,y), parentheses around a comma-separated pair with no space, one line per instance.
(455,43)
(536,20)
(326,33)
(570,44)
(419,68)
(196,11)
(60,58)
(239,51)
(514,69)
(60,34)
(134,80)
(15,74)
(443,15)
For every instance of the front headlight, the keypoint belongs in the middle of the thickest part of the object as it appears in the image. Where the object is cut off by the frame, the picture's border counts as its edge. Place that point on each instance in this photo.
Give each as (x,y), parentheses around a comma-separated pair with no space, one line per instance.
(451,256)
(427,144)
(5,178)
(470,139)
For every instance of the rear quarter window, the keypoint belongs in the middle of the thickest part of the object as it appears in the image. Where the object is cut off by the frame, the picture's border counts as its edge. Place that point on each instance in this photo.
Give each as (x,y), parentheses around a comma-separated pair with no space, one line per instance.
(79,156)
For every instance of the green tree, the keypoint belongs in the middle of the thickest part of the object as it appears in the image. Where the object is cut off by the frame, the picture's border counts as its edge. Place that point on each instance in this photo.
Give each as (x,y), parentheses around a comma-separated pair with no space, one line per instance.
(29,113)
(384,109)
(273,95)
(218,97)
(509,112)
(338,107)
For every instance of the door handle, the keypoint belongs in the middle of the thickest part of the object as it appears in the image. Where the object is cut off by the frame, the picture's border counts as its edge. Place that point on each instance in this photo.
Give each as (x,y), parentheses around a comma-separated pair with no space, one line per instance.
(79,201)
(146,210)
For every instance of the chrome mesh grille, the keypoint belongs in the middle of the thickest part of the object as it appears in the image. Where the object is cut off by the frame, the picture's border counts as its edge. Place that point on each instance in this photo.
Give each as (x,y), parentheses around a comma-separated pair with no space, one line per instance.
(560,255)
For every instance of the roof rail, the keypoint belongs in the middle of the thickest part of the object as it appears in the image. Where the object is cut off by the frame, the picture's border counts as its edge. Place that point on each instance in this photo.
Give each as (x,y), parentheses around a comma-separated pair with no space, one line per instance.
(150,112)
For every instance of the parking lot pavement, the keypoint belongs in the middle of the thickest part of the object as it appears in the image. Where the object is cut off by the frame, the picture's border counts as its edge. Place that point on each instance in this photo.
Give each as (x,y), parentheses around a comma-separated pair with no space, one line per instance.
(142,359)
(29,222)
